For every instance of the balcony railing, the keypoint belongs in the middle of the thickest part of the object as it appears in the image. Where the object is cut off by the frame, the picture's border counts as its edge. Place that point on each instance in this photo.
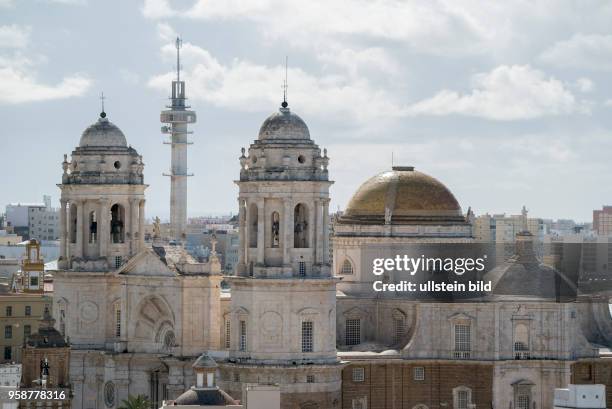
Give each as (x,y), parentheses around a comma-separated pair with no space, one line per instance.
(462,354)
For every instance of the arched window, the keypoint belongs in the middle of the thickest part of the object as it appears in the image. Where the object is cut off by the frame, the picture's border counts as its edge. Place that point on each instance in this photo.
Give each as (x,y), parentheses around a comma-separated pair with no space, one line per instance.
(275,230)
(117,226)
(253,225)
(73,223)
(347,268)
(93,227)
(300,227)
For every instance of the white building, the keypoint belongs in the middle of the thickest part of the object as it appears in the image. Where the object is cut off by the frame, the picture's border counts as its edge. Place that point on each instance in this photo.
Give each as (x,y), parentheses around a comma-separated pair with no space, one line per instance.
(35,220)
(10,379)
(581,396)
(137,317)
(281,322)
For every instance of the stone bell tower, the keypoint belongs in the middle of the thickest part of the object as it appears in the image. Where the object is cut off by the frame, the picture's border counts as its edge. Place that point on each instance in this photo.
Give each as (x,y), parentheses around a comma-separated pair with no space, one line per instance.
(282,325)
(102,201)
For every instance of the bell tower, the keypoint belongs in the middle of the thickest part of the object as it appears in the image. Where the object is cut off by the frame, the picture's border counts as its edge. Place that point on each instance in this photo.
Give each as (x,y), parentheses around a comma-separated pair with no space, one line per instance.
(102,201)
(282,325)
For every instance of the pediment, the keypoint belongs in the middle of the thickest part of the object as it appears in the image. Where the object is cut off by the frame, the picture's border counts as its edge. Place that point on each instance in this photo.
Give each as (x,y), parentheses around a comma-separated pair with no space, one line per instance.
(146,263)
(460,316)
(355,313)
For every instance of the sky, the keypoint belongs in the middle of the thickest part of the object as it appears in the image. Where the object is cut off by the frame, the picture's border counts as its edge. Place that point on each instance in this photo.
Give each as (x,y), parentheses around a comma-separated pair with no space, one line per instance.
(507,103)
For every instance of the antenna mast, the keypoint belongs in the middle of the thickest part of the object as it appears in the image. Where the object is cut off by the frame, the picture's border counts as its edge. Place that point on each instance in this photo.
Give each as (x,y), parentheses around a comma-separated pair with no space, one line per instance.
(285,86)
(179,44)
(102,98)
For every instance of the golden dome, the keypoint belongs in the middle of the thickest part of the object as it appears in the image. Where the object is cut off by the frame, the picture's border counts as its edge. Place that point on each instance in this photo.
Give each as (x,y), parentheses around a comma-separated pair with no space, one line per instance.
(403,196)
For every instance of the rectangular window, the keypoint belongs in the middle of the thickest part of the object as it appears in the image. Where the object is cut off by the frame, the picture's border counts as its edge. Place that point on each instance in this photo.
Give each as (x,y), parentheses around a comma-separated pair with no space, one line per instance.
(117,321)
(463,341)
(28,310)
(307,336)
(310,378)
(353,332)
(34,281)
(302,268)
(399,331)
(419,373)
(27,330)
(462,400)
(9,311)
(8,353)
(228,333)
(358,374)
(522,402)
(118,261)
(243,336)
(8,331)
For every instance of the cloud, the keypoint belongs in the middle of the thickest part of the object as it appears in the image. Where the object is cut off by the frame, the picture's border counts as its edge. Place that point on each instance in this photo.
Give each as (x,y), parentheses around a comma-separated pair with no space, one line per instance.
(354,61)
(432,27)
(14,36)
(584,84)
(156,9)
(247,86)
(165,32)
(18,87)
(18,82)
(506,93)
(68,2)
(582,51)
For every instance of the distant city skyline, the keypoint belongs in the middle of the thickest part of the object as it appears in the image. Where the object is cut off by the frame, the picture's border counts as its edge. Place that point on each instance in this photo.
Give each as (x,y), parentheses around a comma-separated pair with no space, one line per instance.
(505,109)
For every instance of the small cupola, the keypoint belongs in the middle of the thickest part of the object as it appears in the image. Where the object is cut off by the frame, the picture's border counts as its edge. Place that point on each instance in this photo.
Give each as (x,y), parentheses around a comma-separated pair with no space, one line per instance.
(205,369)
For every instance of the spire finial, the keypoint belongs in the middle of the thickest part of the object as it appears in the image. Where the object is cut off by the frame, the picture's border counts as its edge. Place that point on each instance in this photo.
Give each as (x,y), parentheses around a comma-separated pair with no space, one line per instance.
(179,44)
(285,86)
(102,98)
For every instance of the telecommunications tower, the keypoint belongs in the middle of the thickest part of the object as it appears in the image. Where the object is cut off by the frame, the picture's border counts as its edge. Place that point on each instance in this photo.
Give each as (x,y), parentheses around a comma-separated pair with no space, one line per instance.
(176,118)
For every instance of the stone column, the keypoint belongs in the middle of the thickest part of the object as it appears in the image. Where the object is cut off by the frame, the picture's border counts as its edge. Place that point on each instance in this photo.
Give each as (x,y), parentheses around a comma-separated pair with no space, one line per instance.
(134,226)
(287,231)
(141,221)
(317,229)
(78,247)
(311,225)
(325,231)
(103,227)
(241,237)
(63,230)
(261,245)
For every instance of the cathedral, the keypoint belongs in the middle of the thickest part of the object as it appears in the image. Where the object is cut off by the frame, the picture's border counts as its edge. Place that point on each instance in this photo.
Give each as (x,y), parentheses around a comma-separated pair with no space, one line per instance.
(139,314)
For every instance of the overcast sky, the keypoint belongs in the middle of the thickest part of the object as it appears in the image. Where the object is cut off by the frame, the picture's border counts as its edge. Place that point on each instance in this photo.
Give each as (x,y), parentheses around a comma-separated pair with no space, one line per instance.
(507,103)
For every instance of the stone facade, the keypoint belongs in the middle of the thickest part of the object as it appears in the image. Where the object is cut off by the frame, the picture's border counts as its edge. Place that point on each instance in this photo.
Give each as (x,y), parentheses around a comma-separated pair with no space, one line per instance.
(137,316)
(282,316)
